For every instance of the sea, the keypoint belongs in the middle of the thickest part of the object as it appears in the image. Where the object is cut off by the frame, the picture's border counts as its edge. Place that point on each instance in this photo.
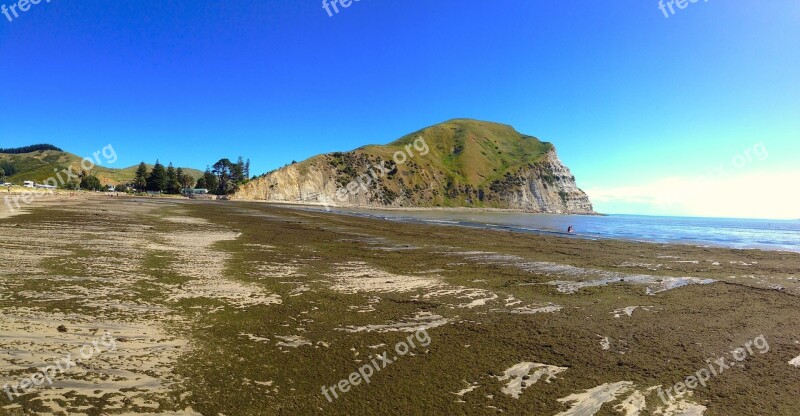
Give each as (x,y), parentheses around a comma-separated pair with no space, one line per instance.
(780,235)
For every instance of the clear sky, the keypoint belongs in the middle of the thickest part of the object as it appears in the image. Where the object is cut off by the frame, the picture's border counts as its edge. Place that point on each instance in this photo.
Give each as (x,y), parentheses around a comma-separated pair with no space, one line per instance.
(653,114)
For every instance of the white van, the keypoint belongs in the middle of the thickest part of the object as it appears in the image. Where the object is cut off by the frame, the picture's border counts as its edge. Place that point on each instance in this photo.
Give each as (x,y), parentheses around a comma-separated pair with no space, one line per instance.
(29,184)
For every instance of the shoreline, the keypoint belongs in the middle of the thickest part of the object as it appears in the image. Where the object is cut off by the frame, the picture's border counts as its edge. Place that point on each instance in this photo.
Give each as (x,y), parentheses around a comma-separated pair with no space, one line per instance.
(415,209)
(375,214)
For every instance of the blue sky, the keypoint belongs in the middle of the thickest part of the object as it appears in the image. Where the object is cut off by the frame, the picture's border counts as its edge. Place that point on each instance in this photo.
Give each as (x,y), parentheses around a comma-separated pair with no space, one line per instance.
(639,106)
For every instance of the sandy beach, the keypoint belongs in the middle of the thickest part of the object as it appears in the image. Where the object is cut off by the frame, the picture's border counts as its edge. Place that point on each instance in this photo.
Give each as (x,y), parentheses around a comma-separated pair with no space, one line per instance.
(211,301)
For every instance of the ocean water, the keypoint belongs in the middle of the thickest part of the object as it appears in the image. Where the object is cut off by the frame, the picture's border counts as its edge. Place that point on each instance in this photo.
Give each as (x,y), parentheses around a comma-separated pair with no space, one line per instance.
(722,232)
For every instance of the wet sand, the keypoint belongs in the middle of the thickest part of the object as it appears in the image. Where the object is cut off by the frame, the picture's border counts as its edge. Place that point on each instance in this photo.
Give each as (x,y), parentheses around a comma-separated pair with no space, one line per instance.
(247,308)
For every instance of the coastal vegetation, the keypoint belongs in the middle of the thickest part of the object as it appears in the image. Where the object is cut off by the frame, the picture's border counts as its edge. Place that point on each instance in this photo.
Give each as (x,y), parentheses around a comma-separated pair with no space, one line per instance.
(29,149)
(38,163)
(222,178)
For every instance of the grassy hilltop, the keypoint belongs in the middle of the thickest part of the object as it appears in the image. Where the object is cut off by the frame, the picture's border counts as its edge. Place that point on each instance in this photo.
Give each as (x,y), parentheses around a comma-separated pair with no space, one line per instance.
(42,164)
(469,152)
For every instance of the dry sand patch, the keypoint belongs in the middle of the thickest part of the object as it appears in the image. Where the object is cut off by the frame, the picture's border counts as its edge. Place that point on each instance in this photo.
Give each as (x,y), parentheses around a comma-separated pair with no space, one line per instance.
(141,360)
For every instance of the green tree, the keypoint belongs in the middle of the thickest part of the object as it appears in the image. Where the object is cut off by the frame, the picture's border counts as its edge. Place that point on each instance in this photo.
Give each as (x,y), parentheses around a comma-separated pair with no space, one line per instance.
(2,175)
(71,185)
(210,180)
(140,182)
(237,171)
(185,181)
(229,175)
(9,168)
(91,183)
(157,181)
(222,170)
(181,178)
(173,186)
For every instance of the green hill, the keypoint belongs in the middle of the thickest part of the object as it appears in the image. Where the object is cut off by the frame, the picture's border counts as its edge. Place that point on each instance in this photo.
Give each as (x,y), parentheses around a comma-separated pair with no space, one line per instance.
(40,165)
(458,163)
(467,152)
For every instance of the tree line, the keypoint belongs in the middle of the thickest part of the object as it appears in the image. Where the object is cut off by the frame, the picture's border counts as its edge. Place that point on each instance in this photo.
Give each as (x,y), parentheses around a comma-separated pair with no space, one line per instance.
(8,168)
(222,178)
(29,149)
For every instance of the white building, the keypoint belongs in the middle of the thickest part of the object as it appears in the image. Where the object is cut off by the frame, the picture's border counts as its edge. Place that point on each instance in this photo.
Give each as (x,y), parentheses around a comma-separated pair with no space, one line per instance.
(197,191)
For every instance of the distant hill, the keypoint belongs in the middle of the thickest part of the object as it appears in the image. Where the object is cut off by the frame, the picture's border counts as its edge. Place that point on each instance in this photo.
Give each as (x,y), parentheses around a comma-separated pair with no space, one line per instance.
(29,149)
(468,163)
(39,165)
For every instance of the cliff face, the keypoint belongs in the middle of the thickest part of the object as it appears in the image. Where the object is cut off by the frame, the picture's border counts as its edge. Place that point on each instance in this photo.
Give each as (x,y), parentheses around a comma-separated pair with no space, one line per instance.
(306,183)
(456,164)
(548,188)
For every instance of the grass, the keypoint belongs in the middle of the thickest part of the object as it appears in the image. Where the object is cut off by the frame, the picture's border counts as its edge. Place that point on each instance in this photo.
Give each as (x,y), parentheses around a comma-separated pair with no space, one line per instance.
(41,165)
